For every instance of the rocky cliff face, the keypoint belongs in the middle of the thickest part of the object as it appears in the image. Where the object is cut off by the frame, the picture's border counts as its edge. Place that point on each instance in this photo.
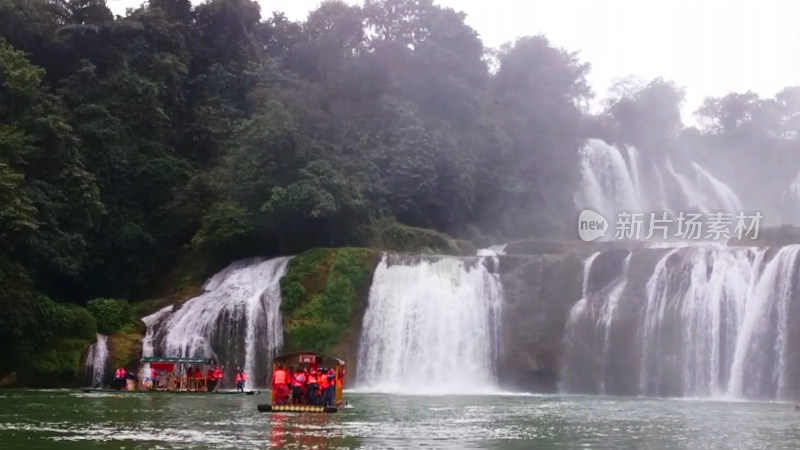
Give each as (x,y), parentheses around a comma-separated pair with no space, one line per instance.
(539,291)
(601,336)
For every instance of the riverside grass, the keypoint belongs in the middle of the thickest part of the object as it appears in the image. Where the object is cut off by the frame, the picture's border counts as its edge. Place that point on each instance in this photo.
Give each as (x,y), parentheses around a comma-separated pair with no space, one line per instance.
(322,290)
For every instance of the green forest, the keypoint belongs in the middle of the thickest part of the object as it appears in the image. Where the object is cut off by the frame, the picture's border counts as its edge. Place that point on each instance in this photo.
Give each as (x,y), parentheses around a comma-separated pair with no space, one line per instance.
(141,153)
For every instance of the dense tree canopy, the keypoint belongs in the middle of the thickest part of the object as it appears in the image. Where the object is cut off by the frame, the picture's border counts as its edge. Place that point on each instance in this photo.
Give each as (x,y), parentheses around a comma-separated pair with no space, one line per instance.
(754,145)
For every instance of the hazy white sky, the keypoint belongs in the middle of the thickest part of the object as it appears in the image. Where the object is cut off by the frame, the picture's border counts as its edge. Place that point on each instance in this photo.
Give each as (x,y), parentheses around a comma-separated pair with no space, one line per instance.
(709,47)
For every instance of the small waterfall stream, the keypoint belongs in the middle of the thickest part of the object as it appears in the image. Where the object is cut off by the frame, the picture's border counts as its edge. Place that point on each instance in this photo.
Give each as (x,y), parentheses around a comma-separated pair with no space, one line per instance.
(96,360)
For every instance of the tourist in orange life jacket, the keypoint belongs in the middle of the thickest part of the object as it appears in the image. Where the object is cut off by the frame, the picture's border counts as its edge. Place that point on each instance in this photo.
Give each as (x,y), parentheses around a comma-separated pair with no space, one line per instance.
(322,381)
(298,382)
(212,380)
(311,389)
(241,377)
(120,377)
(328,386)
(218,375)
(153,380)
(280,388)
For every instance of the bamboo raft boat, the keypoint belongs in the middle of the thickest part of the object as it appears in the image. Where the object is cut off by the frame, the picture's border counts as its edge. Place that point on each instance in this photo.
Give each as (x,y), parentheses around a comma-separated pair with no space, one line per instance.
(299,361)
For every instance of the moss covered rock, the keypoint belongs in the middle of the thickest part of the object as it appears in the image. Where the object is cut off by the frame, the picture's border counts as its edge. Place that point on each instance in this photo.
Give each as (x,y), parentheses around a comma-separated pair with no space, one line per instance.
(324,293)
(124,349)
(58,365)
(391,235)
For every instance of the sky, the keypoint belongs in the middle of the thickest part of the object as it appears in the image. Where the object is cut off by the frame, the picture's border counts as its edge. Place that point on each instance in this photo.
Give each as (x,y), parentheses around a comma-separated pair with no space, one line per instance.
(709,47)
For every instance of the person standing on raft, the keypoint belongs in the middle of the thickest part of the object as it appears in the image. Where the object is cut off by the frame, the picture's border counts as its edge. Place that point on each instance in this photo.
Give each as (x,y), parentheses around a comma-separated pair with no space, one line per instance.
(120,378)
(280,386)
(218,374)
(298,384)
(241,377)
(214,378)
(312,385)
(328,386)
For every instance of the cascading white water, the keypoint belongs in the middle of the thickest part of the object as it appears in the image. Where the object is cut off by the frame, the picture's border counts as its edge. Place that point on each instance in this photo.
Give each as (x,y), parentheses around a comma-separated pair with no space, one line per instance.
(761,347)
(236,320)
(151,322)
(587,268)
(612,182)
(719,197)
(634,165)
(431,326)
(574,333)
(694,321)
(704,192)
(607,316)
(710,321)
(593,315)
(96,358)
(264,320)
(609,183)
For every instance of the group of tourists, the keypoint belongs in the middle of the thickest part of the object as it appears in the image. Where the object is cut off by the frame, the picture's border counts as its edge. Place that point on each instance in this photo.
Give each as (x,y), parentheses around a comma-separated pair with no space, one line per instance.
(309,386)
(176,380)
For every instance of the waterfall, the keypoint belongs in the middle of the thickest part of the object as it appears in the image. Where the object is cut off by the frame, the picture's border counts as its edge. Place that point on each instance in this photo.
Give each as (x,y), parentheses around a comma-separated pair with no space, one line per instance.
(151,322)
(236,320)
(695,303)
(607,319)
(611,182)
(431,325)
(96,359)
(759,363)
(587,268)
(633,171)
(588,330)
(710,320)
(719,196)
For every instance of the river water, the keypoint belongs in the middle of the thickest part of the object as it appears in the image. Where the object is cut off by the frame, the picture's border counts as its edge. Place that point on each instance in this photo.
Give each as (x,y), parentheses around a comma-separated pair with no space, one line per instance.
(69,420)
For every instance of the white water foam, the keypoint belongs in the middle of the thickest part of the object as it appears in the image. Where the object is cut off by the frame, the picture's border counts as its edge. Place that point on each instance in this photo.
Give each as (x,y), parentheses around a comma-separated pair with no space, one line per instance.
(431,327)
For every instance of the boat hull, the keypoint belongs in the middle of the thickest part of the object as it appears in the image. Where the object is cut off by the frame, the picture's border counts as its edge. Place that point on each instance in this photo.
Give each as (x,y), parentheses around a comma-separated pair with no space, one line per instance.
(298,408)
